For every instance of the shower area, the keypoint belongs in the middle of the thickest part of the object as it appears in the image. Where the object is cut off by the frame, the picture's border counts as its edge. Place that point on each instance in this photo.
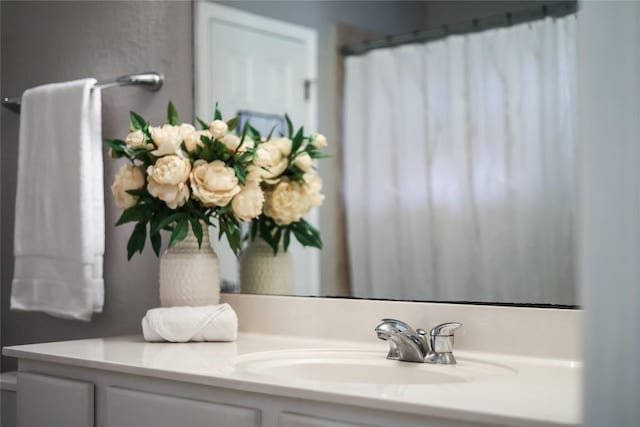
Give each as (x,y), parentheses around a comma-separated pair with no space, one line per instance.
(458,160)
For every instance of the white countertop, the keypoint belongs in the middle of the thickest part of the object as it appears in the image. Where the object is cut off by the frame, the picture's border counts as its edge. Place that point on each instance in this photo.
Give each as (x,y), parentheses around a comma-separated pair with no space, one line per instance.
(537,392)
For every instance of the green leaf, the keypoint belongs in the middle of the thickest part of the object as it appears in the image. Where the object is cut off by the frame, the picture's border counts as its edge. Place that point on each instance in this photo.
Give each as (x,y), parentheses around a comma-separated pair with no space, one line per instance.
(289,125)
(253,133)
(234,238)
(277,237)
(138,153)
(116,144)
(287,238)
(139,193)
(161,224)
(156,243)
(137,239)
(306,234)
(180,232)
(245,130)
(312,234)
(204,125)
(134,214)
(265,234)
(197,230)
(297,140)
(301,236)
(137,122)
(318,155)
(217,115)
(254,229)
(240,173)
(223,227)
(271,132)
(232,124)
(118,147)
(172,115)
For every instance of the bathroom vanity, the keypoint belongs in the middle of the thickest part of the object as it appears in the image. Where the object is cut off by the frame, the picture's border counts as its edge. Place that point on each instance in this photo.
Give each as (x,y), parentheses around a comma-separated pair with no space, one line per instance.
(286,379)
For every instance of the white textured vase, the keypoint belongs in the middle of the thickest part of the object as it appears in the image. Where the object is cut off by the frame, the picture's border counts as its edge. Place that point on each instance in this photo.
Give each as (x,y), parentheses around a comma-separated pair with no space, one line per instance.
(190,275)
(263,273)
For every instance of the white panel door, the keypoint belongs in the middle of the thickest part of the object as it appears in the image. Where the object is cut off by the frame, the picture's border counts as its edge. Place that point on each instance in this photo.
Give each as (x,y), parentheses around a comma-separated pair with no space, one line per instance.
(143,409)
(45,401)
(248,62)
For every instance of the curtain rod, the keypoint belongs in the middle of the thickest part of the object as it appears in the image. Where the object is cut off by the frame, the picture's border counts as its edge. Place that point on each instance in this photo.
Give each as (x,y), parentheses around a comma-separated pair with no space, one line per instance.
(150,80)
(555,9)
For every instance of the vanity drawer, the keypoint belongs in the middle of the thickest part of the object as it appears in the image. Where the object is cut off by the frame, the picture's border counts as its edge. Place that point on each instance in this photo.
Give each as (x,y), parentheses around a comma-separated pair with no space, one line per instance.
(143,409)
(44,400)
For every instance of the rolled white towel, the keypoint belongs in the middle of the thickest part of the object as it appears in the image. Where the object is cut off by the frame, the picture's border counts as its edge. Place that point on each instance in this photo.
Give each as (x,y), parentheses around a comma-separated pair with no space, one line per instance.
(183,324)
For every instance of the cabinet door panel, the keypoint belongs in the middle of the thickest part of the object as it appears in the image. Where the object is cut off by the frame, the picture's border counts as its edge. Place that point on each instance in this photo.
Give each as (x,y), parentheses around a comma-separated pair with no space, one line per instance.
(287,419)
(50,401)
(142,409)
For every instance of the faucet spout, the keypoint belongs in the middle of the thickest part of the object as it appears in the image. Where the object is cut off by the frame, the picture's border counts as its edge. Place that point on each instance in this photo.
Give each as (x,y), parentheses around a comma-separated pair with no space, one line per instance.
(405,344)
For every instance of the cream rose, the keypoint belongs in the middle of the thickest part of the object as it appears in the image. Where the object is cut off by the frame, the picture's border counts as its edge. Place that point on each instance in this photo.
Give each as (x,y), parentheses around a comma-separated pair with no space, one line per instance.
(312,188)
(255,172)
(304,162)
(193,139)
(214,184)
(167,139)
(185,129)
(218,129)
(174,195)
(247,204)
(286,202)
(318,140)
(137,139)
(170,170)
(283,144)
(233,142)
(128,177)
(275,161)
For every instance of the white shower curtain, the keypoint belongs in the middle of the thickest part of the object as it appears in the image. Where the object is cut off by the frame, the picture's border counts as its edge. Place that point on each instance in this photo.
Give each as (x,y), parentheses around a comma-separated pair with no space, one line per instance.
(459,167)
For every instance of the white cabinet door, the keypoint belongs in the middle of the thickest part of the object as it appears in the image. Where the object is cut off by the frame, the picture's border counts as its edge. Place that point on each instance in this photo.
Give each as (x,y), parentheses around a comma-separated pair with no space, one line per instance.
(129,408)
(287,419)
(50,401)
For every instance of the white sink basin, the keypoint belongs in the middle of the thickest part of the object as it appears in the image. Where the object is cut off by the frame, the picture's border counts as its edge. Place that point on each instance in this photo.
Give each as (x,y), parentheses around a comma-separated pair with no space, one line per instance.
(362,367)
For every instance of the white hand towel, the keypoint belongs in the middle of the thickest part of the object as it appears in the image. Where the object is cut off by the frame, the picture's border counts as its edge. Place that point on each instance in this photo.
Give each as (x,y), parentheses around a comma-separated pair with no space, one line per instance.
(59,226)
(183,324)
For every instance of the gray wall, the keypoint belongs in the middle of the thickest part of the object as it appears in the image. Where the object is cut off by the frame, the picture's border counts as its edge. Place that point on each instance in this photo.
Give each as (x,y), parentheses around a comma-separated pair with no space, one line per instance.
(609,210)
(43,42)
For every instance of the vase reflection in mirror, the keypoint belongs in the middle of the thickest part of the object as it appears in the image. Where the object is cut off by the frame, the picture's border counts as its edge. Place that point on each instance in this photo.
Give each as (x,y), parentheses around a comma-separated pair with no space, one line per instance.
(190,275)
(262,272)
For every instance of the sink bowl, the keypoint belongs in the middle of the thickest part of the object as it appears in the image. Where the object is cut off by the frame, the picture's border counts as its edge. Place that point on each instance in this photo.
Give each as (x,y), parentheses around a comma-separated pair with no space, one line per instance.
(362,367)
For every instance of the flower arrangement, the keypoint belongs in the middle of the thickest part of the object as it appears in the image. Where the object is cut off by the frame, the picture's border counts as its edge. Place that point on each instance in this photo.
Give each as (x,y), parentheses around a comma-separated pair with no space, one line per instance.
(179,177)
(291,187)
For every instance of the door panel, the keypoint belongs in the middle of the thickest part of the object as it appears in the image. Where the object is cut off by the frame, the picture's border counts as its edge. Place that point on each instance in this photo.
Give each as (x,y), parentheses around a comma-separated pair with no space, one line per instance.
(50,401)
(142,409)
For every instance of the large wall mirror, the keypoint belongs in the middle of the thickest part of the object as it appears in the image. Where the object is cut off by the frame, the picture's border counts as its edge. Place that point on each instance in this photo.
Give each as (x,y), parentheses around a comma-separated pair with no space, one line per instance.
(451,129)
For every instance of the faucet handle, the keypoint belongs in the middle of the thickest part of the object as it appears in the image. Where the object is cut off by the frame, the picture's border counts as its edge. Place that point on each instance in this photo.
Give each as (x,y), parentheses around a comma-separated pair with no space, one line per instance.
(445,329)
(441,344)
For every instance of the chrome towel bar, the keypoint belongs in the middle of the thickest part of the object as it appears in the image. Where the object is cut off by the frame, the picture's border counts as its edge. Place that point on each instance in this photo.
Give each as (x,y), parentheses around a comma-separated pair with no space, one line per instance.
(150,80)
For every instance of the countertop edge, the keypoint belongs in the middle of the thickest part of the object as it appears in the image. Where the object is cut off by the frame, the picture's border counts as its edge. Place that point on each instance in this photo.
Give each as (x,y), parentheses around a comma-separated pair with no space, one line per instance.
(289,391)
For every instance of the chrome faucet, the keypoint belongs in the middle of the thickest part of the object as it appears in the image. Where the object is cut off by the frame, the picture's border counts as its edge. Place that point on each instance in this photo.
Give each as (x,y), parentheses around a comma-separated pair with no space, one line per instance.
(407,345)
